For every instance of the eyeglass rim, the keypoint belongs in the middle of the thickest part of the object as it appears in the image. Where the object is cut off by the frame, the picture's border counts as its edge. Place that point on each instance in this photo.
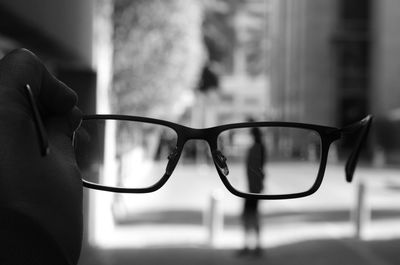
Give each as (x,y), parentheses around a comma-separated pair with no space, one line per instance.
(321,129)
(327,136)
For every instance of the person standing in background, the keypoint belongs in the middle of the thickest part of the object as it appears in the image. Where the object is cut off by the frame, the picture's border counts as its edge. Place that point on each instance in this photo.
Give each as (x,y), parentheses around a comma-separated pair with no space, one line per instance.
(255,160)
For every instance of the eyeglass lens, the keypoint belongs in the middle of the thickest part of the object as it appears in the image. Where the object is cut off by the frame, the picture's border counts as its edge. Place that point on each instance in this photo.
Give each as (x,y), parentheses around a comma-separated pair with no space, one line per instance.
(271,160)
(138,151)
(259,160)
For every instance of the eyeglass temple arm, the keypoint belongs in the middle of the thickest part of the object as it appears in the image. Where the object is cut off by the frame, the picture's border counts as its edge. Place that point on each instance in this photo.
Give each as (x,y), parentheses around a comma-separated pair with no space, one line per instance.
(362,128)
(41,132)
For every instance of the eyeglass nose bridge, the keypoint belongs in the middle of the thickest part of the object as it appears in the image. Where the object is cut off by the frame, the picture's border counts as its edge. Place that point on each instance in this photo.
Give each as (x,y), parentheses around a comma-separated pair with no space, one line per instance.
(208,135)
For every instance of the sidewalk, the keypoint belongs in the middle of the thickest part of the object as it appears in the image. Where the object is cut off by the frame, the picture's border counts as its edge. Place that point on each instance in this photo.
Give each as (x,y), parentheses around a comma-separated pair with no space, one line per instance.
(319,243)
(312,252)
(313,230)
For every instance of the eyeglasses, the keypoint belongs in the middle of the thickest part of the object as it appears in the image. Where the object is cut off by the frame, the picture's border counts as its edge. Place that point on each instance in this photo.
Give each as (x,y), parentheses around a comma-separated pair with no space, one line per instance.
(259,160)
(256,160)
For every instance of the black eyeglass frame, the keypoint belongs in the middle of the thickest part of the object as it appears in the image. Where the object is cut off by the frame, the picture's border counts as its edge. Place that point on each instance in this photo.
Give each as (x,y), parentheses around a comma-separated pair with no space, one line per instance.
(210,135)
(327,135)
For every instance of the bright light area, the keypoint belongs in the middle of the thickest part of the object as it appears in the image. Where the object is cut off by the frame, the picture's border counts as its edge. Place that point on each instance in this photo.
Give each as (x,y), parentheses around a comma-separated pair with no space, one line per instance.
(286,221)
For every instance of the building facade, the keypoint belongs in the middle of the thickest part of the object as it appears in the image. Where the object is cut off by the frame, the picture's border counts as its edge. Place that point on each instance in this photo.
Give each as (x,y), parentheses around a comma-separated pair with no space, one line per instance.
(333,62)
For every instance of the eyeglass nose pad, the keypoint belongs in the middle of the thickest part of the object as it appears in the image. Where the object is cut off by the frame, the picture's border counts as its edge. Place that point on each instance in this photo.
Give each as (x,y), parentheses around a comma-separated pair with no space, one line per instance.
(173,158)
(220,161)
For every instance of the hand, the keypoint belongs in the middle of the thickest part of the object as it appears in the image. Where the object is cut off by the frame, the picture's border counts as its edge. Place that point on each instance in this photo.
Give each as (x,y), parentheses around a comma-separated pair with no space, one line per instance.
(46,190)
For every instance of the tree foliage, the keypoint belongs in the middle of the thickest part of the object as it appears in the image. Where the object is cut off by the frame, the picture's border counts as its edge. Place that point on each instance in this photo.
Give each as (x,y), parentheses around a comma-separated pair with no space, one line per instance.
(223,34)
(157,53)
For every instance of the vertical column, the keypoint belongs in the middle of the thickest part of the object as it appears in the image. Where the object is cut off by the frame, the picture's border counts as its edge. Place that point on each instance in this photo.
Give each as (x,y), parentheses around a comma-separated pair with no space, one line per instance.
(361,213)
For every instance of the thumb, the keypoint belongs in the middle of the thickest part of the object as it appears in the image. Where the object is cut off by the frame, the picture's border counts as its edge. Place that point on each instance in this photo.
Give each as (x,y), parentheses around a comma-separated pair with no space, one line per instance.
(22,67)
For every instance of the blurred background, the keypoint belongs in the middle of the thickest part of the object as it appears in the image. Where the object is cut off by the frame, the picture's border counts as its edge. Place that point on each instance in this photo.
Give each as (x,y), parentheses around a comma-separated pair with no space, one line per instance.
(212,62)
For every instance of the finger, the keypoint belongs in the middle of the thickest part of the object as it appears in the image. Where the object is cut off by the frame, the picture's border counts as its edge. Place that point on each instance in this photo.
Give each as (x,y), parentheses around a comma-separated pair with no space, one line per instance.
(55,96)
(22,67)
(64,125)
(75,118)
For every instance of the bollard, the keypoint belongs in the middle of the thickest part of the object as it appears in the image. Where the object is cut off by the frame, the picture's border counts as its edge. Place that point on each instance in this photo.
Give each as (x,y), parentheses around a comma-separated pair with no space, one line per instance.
(379,158)
(333,156)
(361,213)
(214,218)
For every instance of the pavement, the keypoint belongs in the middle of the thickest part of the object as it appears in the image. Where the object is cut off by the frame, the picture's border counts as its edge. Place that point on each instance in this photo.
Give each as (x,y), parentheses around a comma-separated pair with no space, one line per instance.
(167,227)
(308,252)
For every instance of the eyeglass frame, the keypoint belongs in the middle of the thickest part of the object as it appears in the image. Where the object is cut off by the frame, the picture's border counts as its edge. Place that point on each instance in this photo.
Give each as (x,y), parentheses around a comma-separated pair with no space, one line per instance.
(327,136)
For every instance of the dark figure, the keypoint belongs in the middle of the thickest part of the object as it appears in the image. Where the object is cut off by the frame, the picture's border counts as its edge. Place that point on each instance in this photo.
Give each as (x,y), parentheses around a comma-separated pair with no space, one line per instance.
(255,160)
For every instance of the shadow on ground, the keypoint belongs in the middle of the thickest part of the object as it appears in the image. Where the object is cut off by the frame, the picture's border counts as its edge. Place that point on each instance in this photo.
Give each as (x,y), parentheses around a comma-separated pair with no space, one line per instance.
(196,217)
(313,252)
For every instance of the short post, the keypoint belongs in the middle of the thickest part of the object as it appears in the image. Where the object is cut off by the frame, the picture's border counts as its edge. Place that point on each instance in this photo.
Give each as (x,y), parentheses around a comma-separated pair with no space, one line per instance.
(214,218)
(379,158)
(361,213)
(333,154)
